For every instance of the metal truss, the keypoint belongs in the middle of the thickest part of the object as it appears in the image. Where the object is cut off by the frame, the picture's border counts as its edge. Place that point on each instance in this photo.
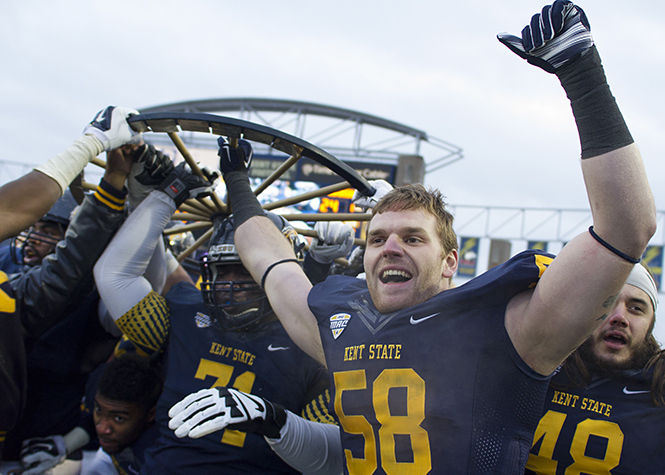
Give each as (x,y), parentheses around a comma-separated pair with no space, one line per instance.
(530,224)
(345,133)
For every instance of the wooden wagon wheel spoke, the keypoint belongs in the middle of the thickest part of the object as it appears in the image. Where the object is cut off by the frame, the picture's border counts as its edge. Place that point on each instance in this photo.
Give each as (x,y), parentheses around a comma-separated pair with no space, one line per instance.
(198,213)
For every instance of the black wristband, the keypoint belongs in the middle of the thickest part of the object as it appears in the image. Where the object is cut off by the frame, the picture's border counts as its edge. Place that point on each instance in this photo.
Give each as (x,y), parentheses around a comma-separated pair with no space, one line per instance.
(271,267)
(242,199)
(600,125)
(611,248)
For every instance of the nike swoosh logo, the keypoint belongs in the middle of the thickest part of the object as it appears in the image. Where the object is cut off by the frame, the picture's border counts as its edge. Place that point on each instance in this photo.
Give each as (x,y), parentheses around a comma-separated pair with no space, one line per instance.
(277,348)
(628,391)
(416,321)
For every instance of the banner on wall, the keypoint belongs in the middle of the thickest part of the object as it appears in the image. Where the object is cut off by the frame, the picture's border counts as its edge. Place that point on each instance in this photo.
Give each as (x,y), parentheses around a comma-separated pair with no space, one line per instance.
(468,256)
(539,245)
(653,258)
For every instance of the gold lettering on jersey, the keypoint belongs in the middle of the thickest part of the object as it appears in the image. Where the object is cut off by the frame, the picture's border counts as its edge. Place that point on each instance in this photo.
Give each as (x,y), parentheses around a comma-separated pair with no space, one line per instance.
(383,351)
(565,399)
(243,357)
(234,354)
(586,404)
(352,353)
(376,351)
(598,407)
(220,350)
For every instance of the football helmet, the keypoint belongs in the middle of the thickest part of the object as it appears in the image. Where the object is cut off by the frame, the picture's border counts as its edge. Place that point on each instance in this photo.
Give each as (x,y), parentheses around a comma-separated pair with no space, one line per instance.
(32,245)
(235,300)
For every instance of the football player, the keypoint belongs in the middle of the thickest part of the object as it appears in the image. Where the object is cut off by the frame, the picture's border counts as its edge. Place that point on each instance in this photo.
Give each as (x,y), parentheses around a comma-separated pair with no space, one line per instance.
(34,300)
(30,247)
(119,408)
(225,335)
(605,408)
(432,378)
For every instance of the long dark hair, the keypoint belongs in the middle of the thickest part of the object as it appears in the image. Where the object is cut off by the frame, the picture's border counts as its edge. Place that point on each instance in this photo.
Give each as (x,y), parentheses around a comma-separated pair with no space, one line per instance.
(579,368)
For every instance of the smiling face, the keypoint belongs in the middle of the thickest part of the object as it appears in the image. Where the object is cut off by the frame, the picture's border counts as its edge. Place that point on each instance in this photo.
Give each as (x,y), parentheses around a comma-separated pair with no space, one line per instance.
(405,263)
(620,341)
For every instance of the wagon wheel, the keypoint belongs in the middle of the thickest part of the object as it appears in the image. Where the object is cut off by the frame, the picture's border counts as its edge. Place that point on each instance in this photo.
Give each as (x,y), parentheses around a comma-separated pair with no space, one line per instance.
(198,213)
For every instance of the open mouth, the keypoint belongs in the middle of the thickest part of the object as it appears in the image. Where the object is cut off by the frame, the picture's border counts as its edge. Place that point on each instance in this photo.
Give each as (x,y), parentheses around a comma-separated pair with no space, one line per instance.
(615,339)
(391,276)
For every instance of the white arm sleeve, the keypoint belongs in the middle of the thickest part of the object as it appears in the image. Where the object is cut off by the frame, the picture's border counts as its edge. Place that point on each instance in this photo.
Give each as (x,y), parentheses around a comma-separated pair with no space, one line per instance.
(309,447)
(65,166)
(119,271)
(156,273)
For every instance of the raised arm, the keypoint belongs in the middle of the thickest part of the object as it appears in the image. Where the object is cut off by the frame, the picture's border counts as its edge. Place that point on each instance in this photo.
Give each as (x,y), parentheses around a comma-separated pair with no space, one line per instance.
(45,291)
(579,287)
(119,273)
(26,199)
(267,255)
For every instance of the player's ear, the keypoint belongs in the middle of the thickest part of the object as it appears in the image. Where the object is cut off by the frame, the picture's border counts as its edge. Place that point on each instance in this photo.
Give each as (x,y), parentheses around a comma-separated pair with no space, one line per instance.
(450,264)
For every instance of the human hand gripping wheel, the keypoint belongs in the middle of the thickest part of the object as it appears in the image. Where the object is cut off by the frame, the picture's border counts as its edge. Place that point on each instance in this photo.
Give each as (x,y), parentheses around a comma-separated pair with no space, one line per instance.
(149,169)
(335,240)
(234,159)
(110,126)
(553,38)
(210,410)
(381,188)
(42,453)
(181,184)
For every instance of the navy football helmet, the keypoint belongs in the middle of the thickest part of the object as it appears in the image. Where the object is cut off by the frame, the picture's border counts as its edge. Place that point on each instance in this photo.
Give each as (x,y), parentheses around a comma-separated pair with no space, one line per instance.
(235,300)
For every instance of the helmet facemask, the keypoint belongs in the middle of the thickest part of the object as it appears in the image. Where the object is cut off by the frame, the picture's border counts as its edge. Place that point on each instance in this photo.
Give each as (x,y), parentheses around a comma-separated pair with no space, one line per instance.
(235,300)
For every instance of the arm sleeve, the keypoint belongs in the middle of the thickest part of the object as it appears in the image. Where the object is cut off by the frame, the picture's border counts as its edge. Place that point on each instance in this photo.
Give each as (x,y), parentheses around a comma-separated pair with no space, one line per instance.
(309,447)
(156,271)
(119,273)
(140,312)
(43,293)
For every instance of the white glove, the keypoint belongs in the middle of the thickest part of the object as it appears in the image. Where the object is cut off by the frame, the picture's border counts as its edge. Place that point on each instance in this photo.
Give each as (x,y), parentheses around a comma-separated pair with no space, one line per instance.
(210,410)
(110,126)
(42,453)
(335,240)
(382,187)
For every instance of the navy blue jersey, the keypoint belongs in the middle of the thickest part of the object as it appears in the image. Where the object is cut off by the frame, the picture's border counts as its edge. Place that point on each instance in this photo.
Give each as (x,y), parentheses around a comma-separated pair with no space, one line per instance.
(435,387)
(610,426)
(12,361)
(130,460)
(199,355)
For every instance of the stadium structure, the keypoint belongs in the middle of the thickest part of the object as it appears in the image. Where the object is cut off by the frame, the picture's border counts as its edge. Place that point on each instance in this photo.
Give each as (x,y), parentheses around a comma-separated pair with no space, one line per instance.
(377,148)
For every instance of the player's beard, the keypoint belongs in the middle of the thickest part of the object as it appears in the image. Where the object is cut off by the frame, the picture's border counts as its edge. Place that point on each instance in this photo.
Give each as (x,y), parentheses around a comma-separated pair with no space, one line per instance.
(638,359)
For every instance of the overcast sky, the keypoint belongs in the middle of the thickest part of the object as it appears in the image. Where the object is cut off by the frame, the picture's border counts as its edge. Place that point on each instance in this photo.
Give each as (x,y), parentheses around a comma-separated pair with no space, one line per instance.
(432,65)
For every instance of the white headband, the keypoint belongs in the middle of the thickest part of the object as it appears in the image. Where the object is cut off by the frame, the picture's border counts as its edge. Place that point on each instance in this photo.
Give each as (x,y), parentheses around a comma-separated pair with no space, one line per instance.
(640,278)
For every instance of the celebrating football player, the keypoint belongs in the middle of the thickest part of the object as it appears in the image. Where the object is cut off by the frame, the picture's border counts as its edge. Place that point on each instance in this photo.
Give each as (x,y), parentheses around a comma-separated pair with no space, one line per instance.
(33,301)
(224,335)
(432,378)
(605,409)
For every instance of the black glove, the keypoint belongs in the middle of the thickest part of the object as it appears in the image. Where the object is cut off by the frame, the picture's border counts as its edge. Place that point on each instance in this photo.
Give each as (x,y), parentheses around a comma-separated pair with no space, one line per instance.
(556,36)
(149,169)
(210,410)
(234,159)
(181,184)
